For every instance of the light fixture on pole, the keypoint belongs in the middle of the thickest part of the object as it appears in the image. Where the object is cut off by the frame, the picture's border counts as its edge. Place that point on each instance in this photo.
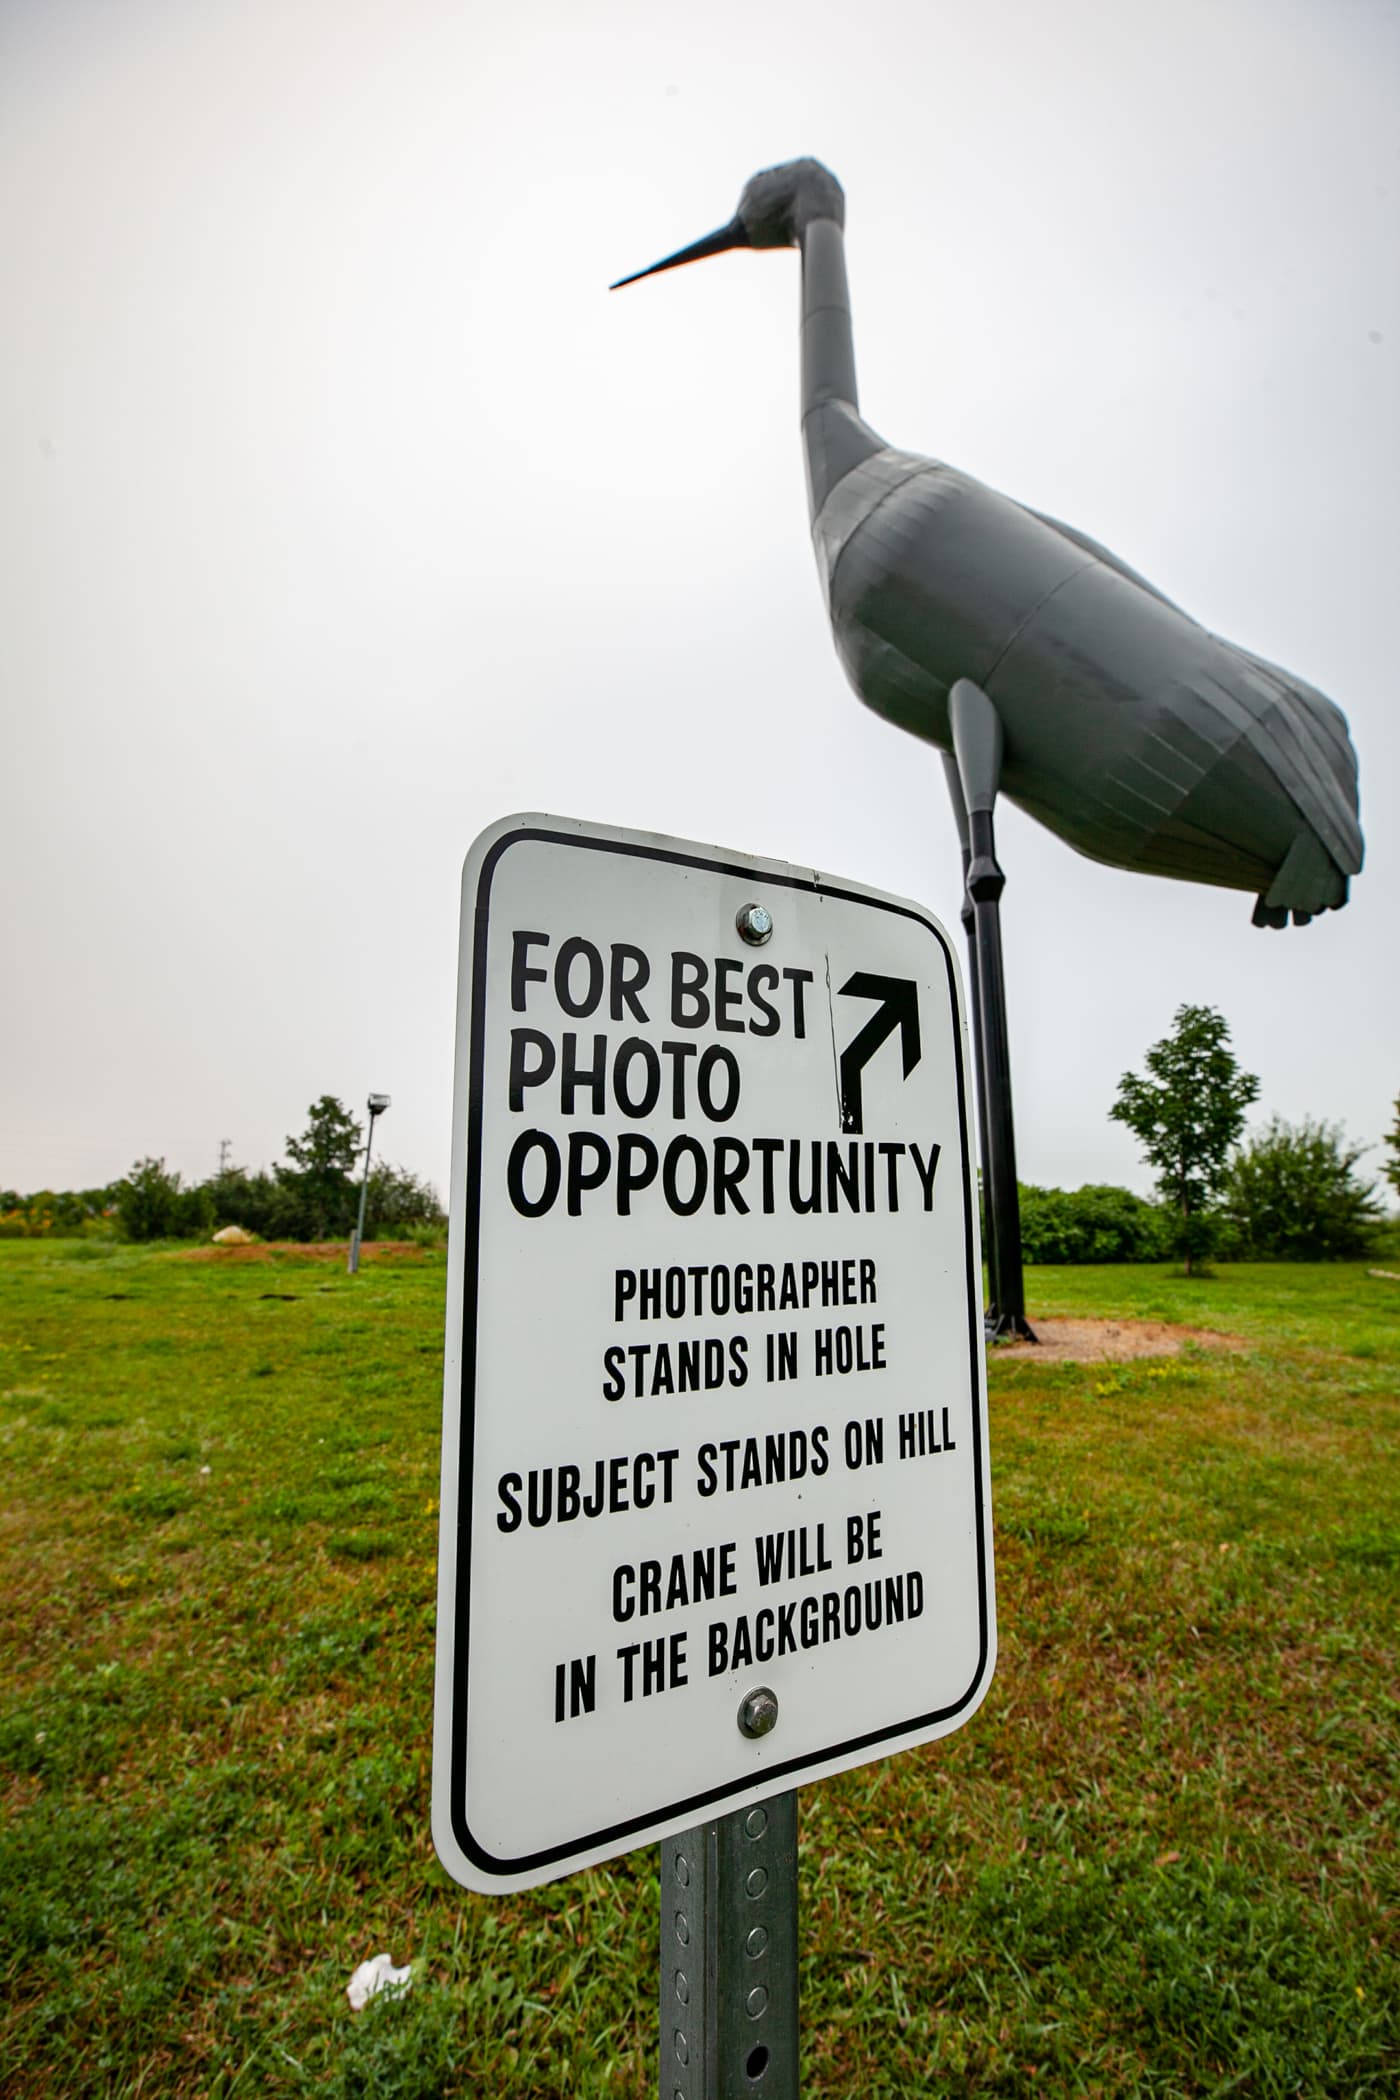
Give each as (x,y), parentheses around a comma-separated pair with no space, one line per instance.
(376,1104)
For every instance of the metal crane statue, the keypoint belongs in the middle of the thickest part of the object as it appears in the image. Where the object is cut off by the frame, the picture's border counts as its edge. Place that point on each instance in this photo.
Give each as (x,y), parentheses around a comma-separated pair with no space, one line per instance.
(1044,667)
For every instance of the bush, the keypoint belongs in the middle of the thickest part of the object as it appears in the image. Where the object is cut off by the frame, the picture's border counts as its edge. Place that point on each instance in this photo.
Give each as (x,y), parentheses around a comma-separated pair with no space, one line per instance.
(282,1206)
(1292,1195)
(152,1204)
(1096,1223)
(398,1203)
(260,1203)
(62,1214)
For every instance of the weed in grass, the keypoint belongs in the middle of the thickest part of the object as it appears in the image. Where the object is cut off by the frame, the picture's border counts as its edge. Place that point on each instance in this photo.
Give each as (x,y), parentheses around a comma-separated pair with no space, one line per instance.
(363,1545)
(154,1502)
(1373,1546)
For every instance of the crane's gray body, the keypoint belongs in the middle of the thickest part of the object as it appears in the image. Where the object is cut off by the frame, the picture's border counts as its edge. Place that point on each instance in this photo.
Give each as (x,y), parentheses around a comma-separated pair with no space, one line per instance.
(1132,732)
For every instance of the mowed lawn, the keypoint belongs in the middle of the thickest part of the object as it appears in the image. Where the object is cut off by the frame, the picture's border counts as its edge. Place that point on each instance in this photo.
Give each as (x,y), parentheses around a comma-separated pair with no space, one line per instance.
(1161,1860)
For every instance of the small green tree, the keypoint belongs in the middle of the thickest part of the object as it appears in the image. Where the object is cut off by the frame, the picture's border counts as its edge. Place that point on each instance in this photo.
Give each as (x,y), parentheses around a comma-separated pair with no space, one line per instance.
(1187,1114)
(322,1178)
(1294,1196)
(148,1201)
(1391,1169)
(153,1203)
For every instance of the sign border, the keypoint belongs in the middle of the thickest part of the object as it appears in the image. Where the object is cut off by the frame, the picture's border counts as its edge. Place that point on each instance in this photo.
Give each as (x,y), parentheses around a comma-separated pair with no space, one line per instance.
(698,1807)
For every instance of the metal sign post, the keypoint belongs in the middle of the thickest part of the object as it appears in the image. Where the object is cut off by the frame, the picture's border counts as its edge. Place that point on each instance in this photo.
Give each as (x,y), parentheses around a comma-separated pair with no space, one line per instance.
(728,2012)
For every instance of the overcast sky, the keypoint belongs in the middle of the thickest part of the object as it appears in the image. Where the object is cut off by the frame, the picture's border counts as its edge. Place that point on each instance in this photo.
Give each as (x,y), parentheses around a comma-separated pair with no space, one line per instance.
(344,511)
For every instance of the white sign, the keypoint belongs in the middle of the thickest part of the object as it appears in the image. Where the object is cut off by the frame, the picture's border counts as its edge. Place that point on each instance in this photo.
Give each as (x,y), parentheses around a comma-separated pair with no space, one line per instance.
(715,1417)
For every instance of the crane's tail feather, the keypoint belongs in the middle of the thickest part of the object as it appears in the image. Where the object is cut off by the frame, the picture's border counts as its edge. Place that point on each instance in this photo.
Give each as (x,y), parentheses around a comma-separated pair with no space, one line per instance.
(1308,881)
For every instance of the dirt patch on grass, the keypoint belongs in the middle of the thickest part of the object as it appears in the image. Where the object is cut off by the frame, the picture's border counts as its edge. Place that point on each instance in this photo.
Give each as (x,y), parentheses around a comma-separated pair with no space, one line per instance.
(302,1250)
(1110,1341)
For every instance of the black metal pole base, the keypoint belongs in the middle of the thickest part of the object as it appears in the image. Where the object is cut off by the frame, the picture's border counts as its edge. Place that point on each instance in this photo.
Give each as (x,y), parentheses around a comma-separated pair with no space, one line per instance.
(729,1957)
(1007,1327)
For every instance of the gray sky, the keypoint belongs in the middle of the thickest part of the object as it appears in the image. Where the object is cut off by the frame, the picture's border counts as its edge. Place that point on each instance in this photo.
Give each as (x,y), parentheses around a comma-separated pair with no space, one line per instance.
(345,511)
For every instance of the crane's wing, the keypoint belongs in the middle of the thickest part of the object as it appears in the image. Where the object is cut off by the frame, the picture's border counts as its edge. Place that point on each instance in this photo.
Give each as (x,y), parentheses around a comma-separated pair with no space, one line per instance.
(1312,754)
(1299,734)
(1104,554)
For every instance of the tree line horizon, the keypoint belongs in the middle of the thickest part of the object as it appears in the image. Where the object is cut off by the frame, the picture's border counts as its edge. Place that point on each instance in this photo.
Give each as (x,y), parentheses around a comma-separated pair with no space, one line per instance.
(1285,1191)
(314,1197)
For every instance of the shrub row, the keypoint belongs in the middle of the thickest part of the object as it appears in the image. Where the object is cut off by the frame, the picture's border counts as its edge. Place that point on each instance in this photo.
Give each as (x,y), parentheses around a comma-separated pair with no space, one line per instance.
(1290,1193)
(153,1203)
(1096,1223)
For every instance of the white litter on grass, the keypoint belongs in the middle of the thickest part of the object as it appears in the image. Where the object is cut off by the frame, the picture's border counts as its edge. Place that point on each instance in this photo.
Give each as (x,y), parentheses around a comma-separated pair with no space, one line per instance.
(378,1974)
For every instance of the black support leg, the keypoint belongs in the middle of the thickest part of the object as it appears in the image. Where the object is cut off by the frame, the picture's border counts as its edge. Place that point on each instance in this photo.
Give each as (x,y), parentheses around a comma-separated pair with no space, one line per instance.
(976,733)
(968,914)
(985,885)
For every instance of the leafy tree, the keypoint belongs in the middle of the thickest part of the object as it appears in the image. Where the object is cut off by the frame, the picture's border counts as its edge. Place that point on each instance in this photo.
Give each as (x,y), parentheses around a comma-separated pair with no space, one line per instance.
(1391,1169)
(322,1179)
(1293,1194)
(1187,1114)
(147,1200)
(330,1143)
(153,1204)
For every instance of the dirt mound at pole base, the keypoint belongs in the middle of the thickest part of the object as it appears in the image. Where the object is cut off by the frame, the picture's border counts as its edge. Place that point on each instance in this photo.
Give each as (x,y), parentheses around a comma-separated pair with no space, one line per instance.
(1109,1341)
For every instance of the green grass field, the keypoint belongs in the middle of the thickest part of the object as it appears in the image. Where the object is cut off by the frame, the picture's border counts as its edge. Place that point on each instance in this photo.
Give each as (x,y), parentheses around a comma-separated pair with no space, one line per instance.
(1161,1860)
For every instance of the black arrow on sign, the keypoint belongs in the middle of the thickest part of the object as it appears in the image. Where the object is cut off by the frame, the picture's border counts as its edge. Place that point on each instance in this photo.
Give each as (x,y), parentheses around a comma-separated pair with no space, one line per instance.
(900,1009)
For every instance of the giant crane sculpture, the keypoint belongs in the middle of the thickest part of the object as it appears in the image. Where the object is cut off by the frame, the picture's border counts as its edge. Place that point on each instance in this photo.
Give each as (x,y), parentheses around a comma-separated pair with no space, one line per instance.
(1041,665)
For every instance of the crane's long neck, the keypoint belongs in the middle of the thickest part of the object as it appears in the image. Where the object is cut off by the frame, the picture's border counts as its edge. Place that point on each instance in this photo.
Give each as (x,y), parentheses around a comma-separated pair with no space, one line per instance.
(833,436)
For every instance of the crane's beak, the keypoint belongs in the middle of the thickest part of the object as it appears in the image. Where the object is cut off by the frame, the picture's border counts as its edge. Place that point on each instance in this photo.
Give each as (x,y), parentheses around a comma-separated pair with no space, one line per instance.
(731,236)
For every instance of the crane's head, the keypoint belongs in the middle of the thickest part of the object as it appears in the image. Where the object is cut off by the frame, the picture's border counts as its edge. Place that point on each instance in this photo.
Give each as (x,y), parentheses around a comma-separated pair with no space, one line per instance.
(777,206)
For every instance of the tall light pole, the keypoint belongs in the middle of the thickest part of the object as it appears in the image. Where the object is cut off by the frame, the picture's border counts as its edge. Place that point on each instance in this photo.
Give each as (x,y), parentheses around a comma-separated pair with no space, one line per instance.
(376,1104)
